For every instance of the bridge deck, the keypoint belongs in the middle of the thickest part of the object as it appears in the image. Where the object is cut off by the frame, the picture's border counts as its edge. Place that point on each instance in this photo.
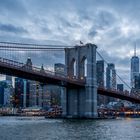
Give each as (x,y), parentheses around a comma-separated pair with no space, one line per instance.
(120,95)
(18,69)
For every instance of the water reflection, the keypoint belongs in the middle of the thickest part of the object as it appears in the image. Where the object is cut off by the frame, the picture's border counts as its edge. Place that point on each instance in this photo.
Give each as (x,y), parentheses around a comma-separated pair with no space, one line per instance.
(38,128)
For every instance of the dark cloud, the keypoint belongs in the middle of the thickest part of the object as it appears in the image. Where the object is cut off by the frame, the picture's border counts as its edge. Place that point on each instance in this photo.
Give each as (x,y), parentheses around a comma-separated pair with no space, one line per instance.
(105,19)
(12,29)
(92,33)
(12,8)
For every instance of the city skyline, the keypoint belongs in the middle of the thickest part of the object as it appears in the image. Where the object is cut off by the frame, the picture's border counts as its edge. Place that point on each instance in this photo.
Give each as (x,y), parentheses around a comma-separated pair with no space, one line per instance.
(69,69)
(105,23)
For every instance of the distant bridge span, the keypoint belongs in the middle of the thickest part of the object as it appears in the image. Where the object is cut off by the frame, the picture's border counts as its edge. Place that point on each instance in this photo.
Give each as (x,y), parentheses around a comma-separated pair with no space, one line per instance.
(119,95)
(18,69)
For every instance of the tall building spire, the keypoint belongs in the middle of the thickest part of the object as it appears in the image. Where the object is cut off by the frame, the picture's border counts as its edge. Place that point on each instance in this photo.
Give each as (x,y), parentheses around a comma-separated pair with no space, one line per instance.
(134,67)
(135,49)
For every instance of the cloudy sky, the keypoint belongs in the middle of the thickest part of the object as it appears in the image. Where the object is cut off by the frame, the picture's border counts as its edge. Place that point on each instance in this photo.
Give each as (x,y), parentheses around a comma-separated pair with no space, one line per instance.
(114,25)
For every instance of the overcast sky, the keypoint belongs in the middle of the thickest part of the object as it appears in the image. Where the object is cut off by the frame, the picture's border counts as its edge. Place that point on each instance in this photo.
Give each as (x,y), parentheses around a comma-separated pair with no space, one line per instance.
(114,25)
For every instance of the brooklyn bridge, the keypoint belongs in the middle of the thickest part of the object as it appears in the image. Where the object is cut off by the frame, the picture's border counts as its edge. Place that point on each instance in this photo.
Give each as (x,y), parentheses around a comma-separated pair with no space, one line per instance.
(78,82)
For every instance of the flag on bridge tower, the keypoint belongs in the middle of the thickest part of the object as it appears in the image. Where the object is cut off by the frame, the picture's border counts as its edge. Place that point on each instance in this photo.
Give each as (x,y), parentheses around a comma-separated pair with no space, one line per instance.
(81,42)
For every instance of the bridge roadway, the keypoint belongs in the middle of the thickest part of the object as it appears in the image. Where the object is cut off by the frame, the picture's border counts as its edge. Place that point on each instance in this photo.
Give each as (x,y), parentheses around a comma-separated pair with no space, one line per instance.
(22,70)
(18,69)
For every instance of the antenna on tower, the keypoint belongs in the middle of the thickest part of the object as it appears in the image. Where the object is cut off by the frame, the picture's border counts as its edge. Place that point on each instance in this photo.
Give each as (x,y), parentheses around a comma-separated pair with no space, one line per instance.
(135,49)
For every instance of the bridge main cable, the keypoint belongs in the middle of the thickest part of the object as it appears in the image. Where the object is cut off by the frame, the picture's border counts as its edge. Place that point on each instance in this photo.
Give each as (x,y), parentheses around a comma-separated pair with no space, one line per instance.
(25,46)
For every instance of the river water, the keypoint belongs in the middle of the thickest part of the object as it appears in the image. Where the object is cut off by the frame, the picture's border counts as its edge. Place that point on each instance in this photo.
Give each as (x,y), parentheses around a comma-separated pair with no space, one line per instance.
(38,128)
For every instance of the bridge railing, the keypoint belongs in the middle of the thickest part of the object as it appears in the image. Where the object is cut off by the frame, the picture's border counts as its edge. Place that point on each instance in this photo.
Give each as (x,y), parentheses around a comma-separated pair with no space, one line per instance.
(11,62)
(35,69)
(25,66)
(126,93)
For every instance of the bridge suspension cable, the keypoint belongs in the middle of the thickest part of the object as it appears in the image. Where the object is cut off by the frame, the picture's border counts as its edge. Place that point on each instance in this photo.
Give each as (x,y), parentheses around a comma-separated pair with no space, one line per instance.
(23,46)
(39,54)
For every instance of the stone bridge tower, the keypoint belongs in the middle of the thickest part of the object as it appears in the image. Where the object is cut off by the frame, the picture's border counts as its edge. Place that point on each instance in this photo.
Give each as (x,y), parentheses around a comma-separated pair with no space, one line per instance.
(80,63)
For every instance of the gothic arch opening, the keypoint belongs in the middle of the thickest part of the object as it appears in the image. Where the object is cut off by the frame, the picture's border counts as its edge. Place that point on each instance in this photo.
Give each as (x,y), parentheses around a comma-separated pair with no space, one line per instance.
(73,68)
(83,67)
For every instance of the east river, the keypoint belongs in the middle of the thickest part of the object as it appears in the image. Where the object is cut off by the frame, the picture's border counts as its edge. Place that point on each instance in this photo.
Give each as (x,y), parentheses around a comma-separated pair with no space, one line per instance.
(38,128)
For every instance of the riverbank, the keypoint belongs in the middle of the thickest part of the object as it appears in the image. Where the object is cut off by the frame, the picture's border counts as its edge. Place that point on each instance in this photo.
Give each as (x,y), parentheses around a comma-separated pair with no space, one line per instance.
(69,117)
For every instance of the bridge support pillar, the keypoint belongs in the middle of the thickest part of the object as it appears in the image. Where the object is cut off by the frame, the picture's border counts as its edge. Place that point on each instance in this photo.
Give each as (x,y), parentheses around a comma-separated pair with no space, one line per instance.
(72,103)
(91,102)
(82,101)
(63,101)
(75,103)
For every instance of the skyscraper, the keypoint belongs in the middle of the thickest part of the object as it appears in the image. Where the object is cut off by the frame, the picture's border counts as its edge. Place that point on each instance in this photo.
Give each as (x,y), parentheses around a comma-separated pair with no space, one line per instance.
(9,78)
(100,73)
(6,90)
(120,87)
(1,95)
(134,68)
(40,95)
(59,69)
(111,76)
(137,82)
(22,92)
(110,79)
(100,80)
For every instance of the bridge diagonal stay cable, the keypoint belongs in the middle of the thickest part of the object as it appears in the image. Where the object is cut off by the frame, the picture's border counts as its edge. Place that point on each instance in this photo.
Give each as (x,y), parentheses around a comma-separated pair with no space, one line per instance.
(116,73)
